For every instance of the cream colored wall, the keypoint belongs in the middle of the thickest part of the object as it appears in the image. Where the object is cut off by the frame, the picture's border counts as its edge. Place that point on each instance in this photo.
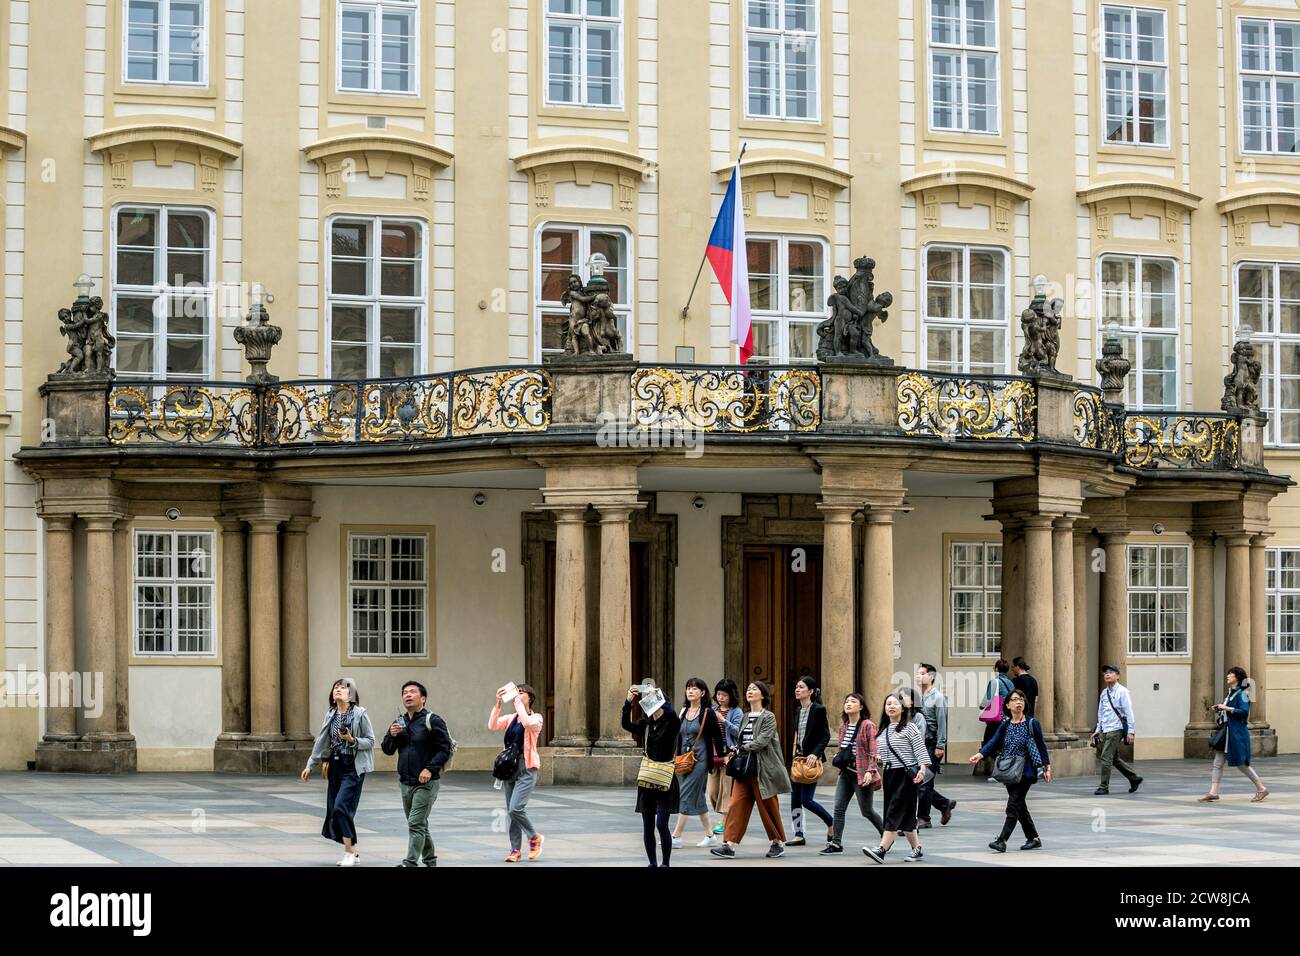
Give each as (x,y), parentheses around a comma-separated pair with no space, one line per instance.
(175,715)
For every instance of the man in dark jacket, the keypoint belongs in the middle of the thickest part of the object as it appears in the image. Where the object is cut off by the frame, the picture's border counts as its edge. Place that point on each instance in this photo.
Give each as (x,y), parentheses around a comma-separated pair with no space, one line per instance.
(423,748)
(1021,677)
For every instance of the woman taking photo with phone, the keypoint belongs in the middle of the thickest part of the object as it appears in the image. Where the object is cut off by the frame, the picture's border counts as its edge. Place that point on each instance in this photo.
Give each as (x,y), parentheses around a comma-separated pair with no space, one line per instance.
(1230,742)
(900,746)
(1022,758)
(522,729)
(858,775)
(758,773)
(658,734)
(729,714)
(812,734)
(345,750)
(700,740)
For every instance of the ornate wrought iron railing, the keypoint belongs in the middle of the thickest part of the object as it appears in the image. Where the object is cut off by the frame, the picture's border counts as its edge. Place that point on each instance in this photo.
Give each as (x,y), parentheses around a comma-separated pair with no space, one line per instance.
(1201,440)
(1097,424)
(949,406)
(479,402)
(754,398)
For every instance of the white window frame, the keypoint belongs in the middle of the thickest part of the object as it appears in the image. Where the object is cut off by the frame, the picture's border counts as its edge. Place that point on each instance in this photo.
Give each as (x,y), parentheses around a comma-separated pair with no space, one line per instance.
(781,35)
(1274,593)
(175,582)
(1138,331)
(350,585)
(378,8)
(1273,340)
(1159,590)
(1271,75)
(964,323)
(991,641)
(1134,66)
(582,20)
(375,302)
(163,287)
(164,47)
(626,311)
(781,294)
(962,51)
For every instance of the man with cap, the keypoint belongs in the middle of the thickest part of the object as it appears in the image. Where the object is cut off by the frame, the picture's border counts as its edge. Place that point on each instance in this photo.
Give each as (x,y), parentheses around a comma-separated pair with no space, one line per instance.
(1115,723)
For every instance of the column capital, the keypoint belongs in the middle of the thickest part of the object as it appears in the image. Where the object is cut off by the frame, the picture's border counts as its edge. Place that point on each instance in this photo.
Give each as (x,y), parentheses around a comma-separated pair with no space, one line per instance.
(568,513)
(1237,539)
(837,512)
(231,524)
(55,522)
(298,524)
(1039,522)
(618,512)
(1064,523)
(1113,535)
(265,524)
(1202,539)
(1260,539)
(880,515)
(102,522)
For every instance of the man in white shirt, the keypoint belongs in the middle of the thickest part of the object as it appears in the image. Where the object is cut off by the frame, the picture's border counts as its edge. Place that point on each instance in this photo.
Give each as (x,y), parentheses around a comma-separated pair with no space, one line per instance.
(1115,722)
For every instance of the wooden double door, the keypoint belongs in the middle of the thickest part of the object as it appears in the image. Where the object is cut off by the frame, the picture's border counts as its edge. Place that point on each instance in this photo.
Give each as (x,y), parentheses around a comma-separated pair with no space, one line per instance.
(782,624)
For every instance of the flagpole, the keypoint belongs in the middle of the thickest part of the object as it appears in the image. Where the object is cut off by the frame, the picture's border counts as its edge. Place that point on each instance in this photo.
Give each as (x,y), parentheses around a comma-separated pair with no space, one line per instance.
(705,258)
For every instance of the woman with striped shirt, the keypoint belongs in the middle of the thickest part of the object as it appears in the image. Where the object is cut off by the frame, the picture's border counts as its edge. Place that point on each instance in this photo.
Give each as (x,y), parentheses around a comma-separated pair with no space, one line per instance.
(858,774)
(1015,737)
(900,745)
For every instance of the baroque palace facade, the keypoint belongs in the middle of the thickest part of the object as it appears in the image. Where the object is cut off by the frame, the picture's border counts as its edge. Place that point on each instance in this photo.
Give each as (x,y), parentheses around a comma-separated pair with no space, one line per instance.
(430,489)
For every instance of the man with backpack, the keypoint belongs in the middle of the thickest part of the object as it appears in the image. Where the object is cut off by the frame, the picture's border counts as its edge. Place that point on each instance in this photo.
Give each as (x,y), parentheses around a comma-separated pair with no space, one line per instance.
(423,748)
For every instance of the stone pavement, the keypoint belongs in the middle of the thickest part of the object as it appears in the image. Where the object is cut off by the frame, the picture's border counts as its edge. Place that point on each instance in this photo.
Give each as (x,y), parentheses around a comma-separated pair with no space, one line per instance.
(193,819)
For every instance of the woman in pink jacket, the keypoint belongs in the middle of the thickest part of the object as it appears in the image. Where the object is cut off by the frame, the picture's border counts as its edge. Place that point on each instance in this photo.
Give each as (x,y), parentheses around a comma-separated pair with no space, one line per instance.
(522,729)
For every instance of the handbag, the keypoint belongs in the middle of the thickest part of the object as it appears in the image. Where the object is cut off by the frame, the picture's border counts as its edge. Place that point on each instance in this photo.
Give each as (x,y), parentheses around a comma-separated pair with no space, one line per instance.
(743,764)
(800,772)
(992,714)
(654,774)
(1009,770)
(506,765)
(685,763)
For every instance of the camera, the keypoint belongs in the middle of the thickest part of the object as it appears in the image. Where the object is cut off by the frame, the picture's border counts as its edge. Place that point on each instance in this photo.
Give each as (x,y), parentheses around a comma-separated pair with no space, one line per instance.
(697,502)
(1158,528)
(173,514)
(480,498)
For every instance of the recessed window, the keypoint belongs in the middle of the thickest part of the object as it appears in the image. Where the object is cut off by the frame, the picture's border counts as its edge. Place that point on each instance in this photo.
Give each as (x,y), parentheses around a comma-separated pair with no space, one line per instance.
(975,598)
(1269,52)
(375,302)
(781,59)
(379,46)
(584,52)
(1283,589)
(162,293)
(1268,300)
(787,296)
(1158,599)
(964,65)
(1140,294)
(966,324)
(388,584)
(566,251)
(166,41)
(1135,64)
(174,588)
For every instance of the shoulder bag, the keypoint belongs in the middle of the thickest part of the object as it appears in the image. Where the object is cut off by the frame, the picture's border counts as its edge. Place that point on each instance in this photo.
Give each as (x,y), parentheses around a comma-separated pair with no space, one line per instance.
(1008,769)
(654,774)
(743,763)
(1219,736)
(846,757)
(506,765)
(911,769)
(685,763)
(800,772)
(992,714)
(1123,721)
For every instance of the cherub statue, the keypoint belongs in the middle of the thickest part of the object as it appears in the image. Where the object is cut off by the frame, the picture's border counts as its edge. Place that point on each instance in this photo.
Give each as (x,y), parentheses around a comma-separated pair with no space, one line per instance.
(576,336)
(604,325)
(1241,384)
(833,335)
(100,341)
(73,325)
(854,308)
(1041,324)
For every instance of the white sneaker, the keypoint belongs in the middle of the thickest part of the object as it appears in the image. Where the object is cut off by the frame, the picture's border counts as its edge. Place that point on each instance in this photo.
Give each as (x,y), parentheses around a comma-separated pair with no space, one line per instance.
(677,843)
(709,840)
(350,859)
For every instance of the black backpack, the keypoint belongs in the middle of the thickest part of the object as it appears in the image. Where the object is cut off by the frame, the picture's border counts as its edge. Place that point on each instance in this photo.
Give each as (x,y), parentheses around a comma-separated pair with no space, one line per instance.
(506,766)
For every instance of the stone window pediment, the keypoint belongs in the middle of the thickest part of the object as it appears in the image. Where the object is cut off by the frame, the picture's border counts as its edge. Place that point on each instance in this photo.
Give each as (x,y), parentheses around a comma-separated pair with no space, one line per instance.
(783,176)
(621,170)
(377,157)
(1138,199)
(164,146)
(1275,204)
(11,140)
(967,185)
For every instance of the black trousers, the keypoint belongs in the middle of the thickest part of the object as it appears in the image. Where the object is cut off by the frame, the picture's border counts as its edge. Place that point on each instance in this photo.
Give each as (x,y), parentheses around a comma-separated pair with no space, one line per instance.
(927,796)
(1018,810)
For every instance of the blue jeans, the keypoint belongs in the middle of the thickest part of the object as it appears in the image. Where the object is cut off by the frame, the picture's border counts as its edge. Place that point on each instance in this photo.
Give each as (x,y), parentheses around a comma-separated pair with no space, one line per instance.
(804,795)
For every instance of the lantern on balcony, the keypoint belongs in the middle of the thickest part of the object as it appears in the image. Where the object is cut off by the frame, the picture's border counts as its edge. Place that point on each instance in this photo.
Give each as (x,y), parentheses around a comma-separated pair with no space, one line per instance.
(1113,367)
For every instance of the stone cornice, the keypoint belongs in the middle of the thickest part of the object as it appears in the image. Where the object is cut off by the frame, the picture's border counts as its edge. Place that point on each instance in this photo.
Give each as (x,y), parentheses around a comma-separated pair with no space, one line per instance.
(544,156)
(991,178)
(338,147)
(166,133)
(1126,189)
(805,166)
(11,140)
(1263,195)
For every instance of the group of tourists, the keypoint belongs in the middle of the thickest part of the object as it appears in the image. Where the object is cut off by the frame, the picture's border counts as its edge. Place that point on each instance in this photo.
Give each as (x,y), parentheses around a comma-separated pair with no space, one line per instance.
(722,753)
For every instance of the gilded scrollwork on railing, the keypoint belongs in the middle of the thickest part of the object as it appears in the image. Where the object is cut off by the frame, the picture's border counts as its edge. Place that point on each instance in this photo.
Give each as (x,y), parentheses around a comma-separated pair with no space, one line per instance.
(956,406)
(1201,441)
(182,414)
(412,409)
(751,399)
(500,401)
(1098,425)
(306,413)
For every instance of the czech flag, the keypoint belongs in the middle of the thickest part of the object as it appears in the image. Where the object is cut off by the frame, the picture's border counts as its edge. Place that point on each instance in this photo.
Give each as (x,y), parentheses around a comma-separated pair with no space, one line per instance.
(731,265)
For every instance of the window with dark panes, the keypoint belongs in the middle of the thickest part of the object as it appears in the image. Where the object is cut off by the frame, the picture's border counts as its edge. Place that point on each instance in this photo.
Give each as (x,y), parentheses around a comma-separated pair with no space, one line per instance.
(1136,76)
(388,585)
(787,297)
(1269,78)
(1268,302)
(166,41)
(781,59)
(584,52)
(965,322)
(1140,295)
(379,46)
(173,591)
(567,250)
(964,65)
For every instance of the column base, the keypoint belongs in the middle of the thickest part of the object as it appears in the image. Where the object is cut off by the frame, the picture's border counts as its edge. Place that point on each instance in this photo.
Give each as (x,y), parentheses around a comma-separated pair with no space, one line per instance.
(261,755)
(617,743)
(1263,741)
(1196,740)
(93,753)
(590,766)
(571,743)
(1070,754)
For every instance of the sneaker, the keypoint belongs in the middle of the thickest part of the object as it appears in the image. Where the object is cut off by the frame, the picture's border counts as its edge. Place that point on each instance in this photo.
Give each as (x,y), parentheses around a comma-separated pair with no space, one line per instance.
(924,825)
(514,857)
(1134,784)
(717,830)
(678,843)
(947,814)
(724,851)
(1100,792)
(999,845)
(876,853)
(832,847)
(915,856)
(535,846)
(350,859)
(709,840)
(1033,844)
(775,850)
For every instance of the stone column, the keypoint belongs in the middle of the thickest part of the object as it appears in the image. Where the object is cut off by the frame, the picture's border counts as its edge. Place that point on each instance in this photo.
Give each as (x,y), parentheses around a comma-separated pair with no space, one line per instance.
(570,661)
(1081,717)
(294,691)
(264,625)
(878,605)
(1063,623)
(1236,603)
(837,602)
(101,619)
(1039,615)
(125,632)
(60,633)
(615,622)
(1013,591)
(234,629)
(1114,599)
(1258,630)
(1202,694)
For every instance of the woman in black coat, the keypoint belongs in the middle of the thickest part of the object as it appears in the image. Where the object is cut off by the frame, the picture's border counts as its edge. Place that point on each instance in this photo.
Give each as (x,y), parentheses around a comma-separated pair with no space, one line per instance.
(658,734)
(812,734)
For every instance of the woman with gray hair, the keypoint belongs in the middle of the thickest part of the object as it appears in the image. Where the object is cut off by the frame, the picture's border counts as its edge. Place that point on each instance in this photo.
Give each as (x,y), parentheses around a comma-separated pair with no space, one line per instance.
(344,751)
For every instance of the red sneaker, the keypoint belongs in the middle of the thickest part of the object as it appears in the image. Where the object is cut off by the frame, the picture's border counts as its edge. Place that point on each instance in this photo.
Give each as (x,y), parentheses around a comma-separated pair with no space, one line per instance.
(514,857)
(535,846)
